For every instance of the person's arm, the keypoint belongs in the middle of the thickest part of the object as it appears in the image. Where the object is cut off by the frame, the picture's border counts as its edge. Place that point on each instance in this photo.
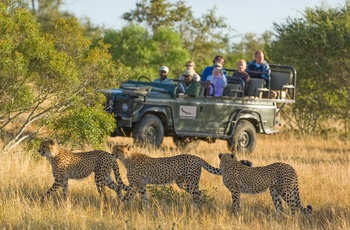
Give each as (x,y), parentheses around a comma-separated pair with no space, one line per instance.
(225,73)
(224,81)
(207,85)
(266,72)
(196,77)
(206,72)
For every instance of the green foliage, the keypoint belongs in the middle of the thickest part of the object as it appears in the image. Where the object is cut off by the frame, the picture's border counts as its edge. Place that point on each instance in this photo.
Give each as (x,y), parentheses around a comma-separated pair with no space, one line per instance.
(157,13)
(203,38)
(246,48)
(144,53)
(77,127)
(318,45)
(49,78)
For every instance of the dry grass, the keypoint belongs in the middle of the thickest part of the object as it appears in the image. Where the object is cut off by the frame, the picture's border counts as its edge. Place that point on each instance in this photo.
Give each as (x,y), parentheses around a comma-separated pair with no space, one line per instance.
(322,166)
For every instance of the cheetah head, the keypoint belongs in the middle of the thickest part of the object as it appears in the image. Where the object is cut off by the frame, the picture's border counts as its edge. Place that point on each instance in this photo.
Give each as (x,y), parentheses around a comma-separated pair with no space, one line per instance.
(231,157)
(121,150)
(48,148)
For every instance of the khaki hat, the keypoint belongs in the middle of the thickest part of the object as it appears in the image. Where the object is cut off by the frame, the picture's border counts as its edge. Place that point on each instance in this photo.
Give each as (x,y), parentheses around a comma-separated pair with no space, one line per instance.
(164,68)
(188,72)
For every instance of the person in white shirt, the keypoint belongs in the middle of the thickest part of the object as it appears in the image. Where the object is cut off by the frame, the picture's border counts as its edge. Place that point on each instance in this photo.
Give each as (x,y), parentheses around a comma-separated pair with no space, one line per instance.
(163,76)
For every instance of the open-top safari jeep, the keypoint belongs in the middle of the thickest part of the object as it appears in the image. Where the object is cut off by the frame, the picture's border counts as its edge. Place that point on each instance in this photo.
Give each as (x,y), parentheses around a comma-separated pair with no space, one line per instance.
(149,111)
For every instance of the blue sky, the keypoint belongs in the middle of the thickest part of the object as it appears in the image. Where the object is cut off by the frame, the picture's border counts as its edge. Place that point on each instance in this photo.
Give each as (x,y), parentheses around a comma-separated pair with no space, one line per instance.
(253,16)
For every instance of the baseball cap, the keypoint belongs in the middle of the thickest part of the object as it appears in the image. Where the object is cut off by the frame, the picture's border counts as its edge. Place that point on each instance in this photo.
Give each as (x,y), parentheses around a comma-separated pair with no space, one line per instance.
(164,68)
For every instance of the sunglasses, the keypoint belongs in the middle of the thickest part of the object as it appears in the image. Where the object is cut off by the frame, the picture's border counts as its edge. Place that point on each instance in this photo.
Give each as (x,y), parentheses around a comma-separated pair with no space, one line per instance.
(189,65)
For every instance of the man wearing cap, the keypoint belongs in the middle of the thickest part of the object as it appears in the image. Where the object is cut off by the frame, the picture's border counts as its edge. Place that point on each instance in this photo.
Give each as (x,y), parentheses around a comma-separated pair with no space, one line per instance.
(188,86)
(163,76)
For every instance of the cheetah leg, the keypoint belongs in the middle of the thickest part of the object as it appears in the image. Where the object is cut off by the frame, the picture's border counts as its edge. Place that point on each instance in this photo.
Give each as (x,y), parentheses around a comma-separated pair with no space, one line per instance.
(276,198)
(193,189)
(143,192)
(288,197)
(56,184)
(129,194)
(100,184)
(181,184)
(112,185)
(120,183)
(65,189)
(196,194)
(236,202)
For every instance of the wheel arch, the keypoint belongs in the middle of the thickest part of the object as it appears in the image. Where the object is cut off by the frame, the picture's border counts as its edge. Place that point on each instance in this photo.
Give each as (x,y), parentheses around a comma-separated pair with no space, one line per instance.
(252,116)
(160,112)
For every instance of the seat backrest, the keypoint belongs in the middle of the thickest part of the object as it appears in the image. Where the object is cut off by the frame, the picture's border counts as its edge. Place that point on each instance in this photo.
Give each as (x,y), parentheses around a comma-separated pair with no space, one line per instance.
(201,92)
(255,83)
(279,79)
(232,87)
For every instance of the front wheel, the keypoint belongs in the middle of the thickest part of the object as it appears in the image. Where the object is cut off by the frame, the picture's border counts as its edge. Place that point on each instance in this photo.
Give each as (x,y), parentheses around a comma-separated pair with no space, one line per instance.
(149,131)
(243,138)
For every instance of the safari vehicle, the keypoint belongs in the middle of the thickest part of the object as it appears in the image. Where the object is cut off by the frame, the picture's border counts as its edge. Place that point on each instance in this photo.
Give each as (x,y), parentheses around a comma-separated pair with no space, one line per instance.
(148,111)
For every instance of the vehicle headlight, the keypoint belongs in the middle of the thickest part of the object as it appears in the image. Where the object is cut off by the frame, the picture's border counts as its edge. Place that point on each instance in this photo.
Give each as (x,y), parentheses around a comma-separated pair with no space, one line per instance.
(125,107)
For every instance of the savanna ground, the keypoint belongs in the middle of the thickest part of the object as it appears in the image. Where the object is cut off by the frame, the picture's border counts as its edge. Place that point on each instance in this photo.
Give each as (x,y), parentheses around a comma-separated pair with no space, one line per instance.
(324,182)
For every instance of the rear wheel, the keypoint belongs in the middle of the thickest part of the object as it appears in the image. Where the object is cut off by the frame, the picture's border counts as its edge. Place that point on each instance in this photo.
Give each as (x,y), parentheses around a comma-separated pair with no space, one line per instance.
(244,138)
(149,131)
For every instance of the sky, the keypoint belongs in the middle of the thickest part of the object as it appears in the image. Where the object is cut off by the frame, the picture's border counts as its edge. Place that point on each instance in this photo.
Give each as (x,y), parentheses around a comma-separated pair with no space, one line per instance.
(253,16)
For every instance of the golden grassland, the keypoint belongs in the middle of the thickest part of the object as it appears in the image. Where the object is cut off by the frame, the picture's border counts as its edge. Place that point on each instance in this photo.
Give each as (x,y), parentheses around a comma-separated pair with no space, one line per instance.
(324,181)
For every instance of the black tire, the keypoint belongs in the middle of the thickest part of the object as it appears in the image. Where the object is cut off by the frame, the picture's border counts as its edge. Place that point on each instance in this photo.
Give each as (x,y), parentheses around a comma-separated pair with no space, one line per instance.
(185,143)
(149,131)
(244,138)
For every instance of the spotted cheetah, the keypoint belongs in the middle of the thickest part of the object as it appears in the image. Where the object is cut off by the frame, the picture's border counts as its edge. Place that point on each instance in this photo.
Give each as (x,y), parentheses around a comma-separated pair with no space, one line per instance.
(280,178)
(68,165)
(184,170)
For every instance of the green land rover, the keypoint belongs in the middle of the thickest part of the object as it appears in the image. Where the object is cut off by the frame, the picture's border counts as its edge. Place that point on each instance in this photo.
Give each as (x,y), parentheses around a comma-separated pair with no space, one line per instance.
(148,111)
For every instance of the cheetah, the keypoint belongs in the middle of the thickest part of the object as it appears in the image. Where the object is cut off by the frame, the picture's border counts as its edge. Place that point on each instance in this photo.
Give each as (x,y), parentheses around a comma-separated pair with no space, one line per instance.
(183,169)
(68,165)
(280,178)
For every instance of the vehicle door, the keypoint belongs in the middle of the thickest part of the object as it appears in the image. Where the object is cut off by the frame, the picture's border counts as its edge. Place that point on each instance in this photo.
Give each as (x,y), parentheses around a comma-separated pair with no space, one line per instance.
(218,114)
(188,114)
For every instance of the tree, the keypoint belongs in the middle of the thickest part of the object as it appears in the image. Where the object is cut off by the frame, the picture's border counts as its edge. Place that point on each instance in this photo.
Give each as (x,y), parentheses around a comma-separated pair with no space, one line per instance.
(47,80)
(143,53)
(246,48)
(203,37)
(318,45)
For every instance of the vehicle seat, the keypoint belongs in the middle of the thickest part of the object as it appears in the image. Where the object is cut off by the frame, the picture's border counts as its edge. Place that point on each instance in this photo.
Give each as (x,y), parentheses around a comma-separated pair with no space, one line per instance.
(201,92)
(281,83)
(235,87)
(256,87)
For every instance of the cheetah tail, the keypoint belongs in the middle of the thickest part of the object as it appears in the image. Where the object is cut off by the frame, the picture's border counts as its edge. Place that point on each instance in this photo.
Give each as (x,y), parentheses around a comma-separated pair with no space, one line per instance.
(118,178)
(210,168)
(308,209)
